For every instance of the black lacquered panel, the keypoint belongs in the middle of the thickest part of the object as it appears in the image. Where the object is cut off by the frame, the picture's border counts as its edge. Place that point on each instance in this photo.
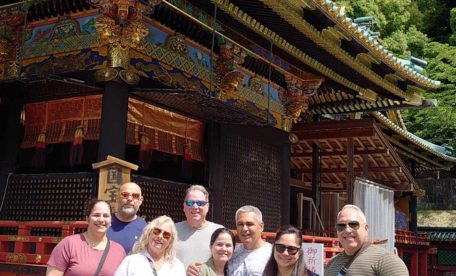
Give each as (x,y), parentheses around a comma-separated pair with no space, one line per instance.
(251,177)
(161,197)
(48,197)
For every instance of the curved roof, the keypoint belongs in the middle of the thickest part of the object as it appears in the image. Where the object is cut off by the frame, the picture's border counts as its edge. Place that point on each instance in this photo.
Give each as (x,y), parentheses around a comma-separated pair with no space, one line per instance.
(424,150)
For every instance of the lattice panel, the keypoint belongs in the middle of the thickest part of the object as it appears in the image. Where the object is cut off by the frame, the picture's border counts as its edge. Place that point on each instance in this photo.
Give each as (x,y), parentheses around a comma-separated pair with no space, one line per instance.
(251,176)
(161,197)
(48,196)
(446,257)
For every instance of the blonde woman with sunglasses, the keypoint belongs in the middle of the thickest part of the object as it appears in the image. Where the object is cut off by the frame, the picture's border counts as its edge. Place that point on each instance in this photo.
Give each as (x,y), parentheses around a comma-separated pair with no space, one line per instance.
(155,251)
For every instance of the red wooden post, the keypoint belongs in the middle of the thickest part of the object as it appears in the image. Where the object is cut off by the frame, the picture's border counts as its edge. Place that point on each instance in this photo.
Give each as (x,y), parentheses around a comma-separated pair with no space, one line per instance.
(424,263)
(414,264)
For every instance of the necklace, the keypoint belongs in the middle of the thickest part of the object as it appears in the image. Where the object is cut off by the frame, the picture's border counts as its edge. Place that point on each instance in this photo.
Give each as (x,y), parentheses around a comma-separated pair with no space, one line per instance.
(92,243)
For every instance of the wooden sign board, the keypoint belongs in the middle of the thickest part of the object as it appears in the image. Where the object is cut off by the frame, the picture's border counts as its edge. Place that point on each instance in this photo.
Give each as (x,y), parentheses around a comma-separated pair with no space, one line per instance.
(113,172)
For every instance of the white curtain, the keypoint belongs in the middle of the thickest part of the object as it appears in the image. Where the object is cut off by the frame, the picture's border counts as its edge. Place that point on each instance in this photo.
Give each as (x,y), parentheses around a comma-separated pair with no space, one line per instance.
(377,203)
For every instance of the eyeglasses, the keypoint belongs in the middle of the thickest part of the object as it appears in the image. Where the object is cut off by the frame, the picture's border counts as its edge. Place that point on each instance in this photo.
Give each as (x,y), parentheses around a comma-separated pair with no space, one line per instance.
(133,195)
(166,235)
(292,250)
(354,225)
(191,203)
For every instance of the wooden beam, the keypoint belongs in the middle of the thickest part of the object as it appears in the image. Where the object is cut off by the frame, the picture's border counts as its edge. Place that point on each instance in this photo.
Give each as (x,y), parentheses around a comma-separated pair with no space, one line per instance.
(350,169)
(335,129)
(356,170)
(338,153)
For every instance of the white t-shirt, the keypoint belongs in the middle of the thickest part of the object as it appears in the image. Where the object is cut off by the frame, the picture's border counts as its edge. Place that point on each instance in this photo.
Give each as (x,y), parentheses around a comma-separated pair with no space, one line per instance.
(249,262)
(139,264)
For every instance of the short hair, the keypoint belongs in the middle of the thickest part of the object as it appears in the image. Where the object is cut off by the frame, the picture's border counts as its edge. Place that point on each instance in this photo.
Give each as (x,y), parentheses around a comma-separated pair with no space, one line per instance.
(360,212)
(143,242)
(300,266)
(197,188)
(249,209)
(90,204)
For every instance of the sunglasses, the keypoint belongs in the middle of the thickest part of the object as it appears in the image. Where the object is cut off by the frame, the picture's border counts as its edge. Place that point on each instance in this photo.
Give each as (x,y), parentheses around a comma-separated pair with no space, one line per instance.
(354,225)
(292,250)
(166,235)
(133,195)
(191,203)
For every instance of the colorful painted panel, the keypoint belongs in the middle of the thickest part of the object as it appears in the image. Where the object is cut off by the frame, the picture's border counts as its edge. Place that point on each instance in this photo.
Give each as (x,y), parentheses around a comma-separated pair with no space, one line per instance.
(200,57)
(155,36)
(55,64)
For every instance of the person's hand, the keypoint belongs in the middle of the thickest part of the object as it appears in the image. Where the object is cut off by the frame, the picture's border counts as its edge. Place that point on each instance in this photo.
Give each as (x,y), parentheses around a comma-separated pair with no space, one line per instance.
(193,269)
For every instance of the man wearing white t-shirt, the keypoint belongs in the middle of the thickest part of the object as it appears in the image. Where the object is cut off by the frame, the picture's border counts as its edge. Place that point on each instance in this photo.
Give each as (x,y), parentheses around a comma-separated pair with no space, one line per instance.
(250,257)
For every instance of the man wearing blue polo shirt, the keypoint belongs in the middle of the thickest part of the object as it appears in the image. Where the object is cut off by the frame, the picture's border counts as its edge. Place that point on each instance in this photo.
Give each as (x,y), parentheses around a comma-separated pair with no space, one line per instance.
(126,226)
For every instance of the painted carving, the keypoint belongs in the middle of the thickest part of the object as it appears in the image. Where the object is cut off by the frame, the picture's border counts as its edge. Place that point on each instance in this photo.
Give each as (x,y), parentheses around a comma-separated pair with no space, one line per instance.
(228,75)
(256,85)
(121,26)
(65,29)
(11,27)
(176,43)
(295,98)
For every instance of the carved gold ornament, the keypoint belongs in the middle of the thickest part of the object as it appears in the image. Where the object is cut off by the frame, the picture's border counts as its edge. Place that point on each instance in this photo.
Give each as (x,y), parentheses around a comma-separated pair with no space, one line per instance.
(295,98)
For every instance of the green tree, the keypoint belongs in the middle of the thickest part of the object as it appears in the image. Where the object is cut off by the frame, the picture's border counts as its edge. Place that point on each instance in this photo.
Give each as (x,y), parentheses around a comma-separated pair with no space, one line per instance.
(438,125)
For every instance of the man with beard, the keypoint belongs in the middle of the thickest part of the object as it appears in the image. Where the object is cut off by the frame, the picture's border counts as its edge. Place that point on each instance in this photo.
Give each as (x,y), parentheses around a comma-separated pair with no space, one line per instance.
(126,226)
(250,257)
(360,257)
(195,232)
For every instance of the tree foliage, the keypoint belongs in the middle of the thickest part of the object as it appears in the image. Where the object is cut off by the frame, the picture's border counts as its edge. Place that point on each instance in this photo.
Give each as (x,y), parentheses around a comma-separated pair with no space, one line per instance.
(425,29)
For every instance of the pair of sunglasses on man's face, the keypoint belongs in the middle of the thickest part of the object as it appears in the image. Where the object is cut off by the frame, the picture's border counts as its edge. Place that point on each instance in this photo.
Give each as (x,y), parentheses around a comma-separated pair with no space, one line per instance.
(133,195)
(191,203)
(166,235)
(292,250)
(354,225)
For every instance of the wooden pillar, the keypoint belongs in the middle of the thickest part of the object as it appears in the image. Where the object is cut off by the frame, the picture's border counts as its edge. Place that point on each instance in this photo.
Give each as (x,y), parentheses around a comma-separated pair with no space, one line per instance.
(113,121)
(350,170)
(424,263)
(365,166)
(413,205)
(414,264)
(285,185)
(316,176)
(9,141)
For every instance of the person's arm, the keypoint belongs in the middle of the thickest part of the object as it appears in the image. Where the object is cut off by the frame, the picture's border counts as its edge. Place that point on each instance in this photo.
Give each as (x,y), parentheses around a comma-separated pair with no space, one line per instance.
(392,265)
(53,271)
(193,269)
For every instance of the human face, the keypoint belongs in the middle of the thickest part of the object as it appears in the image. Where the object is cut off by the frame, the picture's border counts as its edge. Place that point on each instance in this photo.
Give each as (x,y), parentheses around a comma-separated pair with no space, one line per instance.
(196,215)
(222,248)
(99,219)
(249,230)
(127,205)
(285,259)
(157,241)
(351,240)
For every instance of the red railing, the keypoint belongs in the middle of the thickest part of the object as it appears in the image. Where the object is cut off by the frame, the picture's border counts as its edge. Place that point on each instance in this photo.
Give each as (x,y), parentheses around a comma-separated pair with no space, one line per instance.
(20,247)
(409,237)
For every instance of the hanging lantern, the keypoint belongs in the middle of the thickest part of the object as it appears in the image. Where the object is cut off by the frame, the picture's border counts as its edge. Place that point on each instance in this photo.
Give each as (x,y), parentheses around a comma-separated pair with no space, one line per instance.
(186,163)
(39,157)
(145,151)
(76,149)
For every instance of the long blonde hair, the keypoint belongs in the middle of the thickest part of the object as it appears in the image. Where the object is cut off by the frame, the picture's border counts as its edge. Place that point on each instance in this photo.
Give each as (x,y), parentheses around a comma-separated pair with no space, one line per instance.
(143,242)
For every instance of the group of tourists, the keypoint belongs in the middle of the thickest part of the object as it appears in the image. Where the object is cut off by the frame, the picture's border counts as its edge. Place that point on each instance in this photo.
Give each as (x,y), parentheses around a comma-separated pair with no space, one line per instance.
(197,246)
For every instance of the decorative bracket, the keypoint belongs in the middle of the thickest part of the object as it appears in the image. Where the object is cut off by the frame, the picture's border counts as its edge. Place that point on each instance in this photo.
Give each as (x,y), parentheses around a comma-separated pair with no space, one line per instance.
(121,26)
(295,98)
(228,75)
